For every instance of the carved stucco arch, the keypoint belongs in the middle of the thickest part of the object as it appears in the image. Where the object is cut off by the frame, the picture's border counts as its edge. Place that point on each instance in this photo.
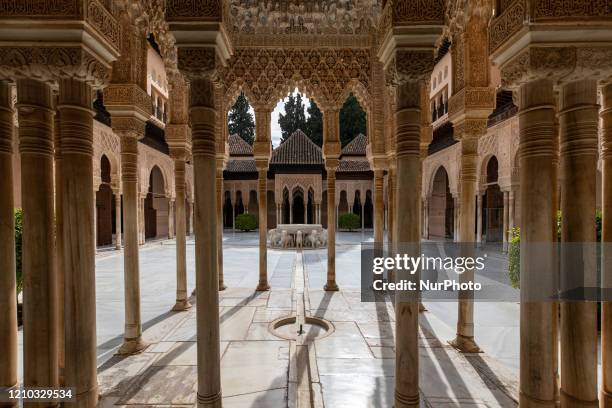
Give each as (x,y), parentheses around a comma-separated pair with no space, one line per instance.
(149,158)
(106,143)
(292,181)
(448,158)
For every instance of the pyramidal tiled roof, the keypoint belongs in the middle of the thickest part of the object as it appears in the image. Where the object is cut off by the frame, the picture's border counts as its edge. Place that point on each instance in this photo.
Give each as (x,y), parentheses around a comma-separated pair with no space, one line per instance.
(357,146)
(238,146)
(298,149)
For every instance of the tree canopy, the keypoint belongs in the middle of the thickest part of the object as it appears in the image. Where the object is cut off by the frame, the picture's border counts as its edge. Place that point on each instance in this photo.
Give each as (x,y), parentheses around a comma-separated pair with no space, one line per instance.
(352,120)
(294,117)
(240,121)
(314,124)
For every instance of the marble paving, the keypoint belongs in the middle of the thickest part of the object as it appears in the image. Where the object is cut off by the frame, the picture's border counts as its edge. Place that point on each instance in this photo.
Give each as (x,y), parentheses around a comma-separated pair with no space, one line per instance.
(353,367)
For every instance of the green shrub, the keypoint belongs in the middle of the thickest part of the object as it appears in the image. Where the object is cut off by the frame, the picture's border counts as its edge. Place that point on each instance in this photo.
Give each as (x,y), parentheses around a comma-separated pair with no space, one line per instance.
(514,250)
(349,221)
(18,230)
(514,258)
(246,222)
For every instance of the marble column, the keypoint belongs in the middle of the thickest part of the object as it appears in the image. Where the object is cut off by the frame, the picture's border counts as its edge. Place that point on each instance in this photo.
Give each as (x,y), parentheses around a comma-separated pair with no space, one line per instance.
(203,114)
(456,211)
(8,292)
(59,243)
(191,217)
(129,130)
(219,185)
(76,133)
(510,214)
(331,284)
(379,207)
(578,119)
(182,303)
(290,213)
(117,219)
(262,200)
(505,222)
(426,218)
(407,235)
(170,218)
(537,359)
(478,218)
(95,218)
(40,327)
(471,130)
(606,238)
(391,199)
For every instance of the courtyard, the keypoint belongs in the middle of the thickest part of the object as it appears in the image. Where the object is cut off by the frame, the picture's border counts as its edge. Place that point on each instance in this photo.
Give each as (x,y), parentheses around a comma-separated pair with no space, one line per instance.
(352,367)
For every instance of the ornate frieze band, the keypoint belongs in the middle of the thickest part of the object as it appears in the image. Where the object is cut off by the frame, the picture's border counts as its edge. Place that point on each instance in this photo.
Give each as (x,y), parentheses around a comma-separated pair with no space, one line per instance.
(50,63)
(557,63)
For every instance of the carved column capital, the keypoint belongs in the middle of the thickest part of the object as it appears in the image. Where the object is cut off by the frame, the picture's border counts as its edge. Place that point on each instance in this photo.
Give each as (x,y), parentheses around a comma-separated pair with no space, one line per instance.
(52,63)
(560,64)
(129,127)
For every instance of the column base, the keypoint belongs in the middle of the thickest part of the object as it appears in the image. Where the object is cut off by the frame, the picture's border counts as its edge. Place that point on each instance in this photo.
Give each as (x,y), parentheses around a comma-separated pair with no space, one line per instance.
(331,287)
(263,287)
(606,398)
(132,346)
(406,401)
(530,402)
(465,344)
(181,306)
(88,398)
(222,287)
(571,401)
(193,293)
(209,401)
(422,307)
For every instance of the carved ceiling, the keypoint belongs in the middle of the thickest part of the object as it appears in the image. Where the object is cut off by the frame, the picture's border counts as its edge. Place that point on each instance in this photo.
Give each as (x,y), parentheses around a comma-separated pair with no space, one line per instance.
(313,17)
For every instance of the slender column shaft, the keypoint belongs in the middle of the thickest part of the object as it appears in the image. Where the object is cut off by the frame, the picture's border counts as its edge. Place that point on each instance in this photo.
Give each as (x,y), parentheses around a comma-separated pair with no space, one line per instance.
(456,218)
(59,245)
(220,227)
(118,220)
(191,217)
(479,218)
(426,218)
(40,333)
(578,120)
(207,280)
(171,218)
(510,214)
(132,340)
(181,239)
(536,128)
(263,229)
(391,222)
(467,236)
(331,284)
(408,120)
(379,206)
(95,218)
(8,289)
(505,222)
(76,132)
(606,238)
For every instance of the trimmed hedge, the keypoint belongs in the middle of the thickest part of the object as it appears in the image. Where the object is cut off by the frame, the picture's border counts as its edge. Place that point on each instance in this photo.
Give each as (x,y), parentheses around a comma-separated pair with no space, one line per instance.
(18,233)
(246,222)
(349,221)
(514,249)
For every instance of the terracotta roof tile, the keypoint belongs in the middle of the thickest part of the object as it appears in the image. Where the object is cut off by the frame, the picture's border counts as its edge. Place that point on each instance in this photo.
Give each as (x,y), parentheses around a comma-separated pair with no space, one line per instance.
(357,146)
(241,166)
(238,146)
(348,166)
(298,149)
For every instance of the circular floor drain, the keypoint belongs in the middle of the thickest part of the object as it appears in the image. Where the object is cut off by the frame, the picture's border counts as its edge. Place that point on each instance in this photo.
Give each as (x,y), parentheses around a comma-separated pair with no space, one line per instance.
(313,328)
